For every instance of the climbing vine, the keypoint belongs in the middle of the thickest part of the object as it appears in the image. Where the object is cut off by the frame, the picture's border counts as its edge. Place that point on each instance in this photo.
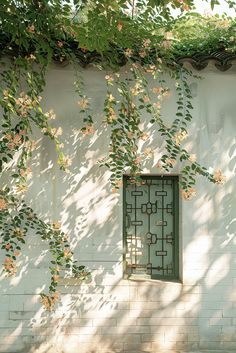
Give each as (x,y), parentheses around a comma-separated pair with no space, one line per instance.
(146,38)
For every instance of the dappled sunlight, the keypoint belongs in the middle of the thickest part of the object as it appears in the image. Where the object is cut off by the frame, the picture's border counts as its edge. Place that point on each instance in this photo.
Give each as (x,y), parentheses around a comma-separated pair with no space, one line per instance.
(170,293)
(196,256)
(218,270)
(12,336)
(204,211)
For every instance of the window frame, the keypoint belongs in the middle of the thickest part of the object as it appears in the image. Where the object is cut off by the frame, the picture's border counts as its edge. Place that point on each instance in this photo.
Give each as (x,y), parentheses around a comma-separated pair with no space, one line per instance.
(176,229)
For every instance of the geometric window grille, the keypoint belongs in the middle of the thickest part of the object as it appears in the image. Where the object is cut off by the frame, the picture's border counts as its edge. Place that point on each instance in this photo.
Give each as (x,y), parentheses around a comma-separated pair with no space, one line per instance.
(151,227)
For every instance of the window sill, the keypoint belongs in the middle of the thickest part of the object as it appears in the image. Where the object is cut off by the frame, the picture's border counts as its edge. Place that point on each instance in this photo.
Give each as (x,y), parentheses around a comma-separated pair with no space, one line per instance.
(147,278)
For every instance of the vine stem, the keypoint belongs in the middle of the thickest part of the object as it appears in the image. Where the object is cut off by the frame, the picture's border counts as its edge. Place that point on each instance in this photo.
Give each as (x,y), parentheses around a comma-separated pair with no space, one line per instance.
(133,8)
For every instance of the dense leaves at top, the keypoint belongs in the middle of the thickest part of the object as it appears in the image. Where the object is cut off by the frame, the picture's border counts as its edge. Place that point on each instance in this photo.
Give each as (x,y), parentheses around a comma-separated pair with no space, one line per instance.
(59,29)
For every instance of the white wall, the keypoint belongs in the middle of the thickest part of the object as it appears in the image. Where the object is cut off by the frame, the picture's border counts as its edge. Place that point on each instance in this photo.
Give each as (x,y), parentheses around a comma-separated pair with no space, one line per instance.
(112,314)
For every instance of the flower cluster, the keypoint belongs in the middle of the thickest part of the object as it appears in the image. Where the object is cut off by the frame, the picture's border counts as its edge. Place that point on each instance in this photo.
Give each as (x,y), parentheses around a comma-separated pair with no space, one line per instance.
(50,115)
(148,152)
(109,79)
(188,194)
(25,103)
(179,137)
(137,89)
(9,266)
(50,300)
(14,140)
(64,162)
(111,116)
(84,103)
(88,129)
(219,178)
(26,172)
(53,132)
(192,158)
(20,233)
(20,188)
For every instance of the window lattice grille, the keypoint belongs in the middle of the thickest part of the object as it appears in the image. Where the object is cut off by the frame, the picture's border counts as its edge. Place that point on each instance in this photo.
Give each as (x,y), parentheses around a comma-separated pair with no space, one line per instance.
(151,226)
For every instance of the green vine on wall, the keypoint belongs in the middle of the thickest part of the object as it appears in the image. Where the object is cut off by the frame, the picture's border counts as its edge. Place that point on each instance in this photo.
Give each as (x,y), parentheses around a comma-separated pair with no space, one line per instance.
(146,38)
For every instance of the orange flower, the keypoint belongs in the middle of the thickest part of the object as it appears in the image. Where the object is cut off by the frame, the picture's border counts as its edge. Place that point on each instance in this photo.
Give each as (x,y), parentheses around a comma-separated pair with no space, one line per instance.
(5,93)
(128,52)
(22,132)
(84,49)
(219,177)
(118,183)
(31,57)
(16,253)
(8,246)
(157,105)
(55,296)
(144,136)
(3,204)
(192,158)
(130,134)
(20,233)
(159,164)
(137,160)
(146,99)
(21,188)
(26,173)
(151,69)
(179,137)
(119,26)
(185,7)
(142,53)
(88,130)
(17,139)
(56,278)
(109,79)
(11,146)
(8,137)
(67,253)
(148,152)
(157,90)
(60,44)
(189,193)
(84,103)
(56,225)
(146,43)
(111,98)
(170,162)
(31,29)
(9,266)
(50,115)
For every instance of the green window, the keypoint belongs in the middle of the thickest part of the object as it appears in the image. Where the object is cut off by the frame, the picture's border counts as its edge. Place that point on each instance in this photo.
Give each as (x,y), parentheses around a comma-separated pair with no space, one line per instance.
(151,227)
